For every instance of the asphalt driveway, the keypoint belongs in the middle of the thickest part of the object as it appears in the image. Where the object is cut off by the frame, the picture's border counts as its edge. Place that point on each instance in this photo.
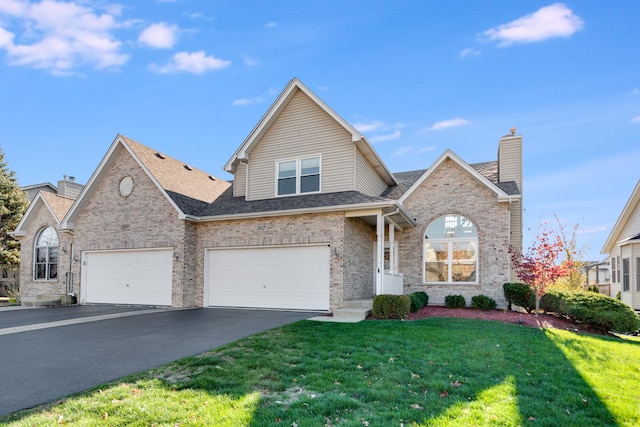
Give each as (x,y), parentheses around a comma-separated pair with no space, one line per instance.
(48,353)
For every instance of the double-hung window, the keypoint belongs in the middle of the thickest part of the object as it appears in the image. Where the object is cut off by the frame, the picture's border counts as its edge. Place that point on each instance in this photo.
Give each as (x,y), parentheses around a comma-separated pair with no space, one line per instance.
(45,265)
(625,274)
(638,274)
(451,250)
(298,176)
(613,270)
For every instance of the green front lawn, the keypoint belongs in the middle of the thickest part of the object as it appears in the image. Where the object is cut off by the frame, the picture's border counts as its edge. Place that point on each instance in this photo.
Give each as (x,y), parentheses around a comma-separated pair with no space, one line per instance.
(431,372)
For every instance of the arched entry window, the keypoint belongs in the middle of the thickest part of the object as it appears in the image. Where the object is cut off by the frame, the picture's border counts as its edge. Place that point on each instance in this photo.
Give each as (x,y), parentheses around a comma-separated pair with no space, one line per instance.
(46,255)
(451,250)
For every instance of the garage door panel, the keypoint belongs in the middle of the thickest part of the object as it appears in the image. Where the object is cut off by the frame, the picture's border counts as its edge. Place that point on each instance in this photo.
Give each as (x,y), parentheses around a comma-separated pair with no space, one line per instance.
(129,277)
(280,277)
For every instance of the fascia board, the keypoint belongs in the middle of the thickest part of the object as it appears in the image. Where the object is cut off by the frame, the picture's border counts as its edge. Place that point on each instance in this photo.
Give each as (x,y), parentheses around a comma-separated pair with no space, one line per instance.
(622,219)
(242,152)
(26,217)
(106,162)
(88,190)
(502,196)
(323,209)
(153,179)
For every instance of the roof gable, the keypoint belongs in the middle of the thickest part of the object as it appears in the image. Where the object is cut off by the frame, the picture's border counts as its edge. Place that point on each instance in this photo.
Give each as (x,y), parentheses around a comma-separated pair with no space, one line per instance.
(477,172)
(242,154)
(57,206)
(181,184)
(625,215)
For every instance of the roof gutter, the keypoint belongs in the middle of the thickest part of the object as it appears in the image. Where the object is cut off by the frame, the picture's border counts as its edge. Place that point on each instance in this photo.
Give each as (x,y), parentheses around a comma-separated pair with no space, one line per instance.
(322,209)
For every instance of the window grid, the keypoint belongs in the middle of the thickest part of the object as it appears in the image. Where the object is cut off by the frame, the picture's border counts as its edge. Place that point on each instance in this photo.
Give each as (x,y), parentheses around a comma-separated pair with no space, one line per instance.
(45,261)
(299,176)
(450,250)
(625,274)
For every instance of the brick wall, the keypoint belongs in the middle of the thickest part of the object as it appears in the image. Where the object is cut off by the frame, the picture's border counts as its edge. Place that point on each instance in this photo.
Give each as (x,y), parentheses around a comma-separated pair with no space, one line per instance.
(288,230)
(40,219)
(358,259)
(451,189)
(144,219)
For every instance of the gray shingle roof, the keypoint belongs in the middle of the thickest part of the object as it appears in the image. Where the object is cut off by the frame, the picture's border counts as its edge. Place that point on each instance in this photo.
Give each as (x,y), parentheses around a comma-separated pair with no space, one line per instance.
(226,204)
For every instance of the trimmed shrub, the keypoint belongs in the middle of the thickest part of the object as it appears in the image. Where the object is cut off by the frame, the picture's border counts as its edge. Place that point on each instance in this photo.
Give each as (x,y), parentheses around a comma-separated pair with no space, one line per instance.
(418,300)
(596,310)
(455,301)
(483,302)
(521,295)
(391,306)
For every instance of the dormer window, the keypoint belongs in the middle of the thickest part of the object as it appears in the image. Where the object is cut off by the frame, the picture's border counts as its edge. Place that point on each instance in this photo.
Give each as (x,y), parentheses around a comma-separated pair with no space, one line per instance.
(298,176)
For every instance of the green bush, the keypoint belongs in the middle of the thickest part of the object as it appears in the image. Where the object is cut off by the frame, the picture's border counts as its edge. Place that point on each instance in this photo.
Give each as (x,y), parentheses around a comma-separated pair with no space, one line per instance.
(455,301)
(418,300)
(594,288)
(553,302)
(596,310)
(391,306)
(521,295)
(483,302)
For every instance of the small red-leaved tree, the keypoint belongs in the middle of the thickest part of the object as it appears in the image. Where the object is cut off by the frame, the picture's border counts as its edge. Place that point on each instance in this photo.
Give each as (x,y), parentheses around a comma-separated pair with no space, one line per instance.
(540,266)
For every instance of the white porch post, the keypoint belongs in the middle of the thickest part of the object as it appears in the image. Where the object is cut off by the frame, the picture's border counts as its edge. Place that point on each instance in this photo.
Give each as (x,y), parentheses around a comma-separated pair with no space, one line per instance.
(392,252)
(380,251)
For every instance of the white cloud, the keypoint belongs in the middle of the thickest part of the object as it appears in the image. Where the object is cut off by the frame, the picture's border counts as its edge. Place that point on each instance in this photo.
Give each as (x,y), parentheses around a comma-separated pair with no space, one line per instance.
(368,127)
(386,137)
(159,36)
(556,20)
(413,150)
(241,102)
(445,124)
(636,119)
(250,61)
(269,25)
(63,36)
(191,62)
(592,230)
(469,53)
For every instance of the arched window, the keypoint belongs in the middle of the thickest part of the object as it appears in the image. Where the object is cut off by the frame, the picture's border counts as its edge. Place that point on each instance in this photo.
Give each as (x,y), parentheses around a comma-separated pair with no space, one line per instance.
(45,261)
(451,250)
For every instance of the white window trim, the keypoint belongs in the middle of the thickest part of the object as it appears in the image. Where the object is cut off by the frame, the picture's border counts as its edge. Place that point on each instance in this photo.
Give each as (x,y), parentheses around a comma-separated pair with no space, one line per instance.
(449,242)
(47,263)
(298,161)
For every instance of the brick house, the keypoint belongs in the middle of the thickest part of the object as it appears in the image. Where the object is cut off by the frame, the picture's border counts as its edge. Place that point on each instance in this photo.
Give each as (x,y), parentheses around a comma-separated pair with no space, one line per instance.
(312,218)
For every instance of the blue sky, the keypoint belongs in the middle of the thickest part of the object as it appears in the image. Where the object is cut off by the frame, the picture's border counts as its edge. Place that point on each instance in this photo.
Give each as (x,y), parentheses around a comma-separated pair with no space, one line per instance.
(192,78)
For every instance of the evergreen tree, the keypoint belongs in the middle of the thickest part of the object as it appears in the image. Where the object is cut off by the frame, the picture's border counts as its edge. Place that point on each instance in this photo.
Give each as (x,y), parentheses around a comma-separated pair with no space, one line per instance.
(13,203)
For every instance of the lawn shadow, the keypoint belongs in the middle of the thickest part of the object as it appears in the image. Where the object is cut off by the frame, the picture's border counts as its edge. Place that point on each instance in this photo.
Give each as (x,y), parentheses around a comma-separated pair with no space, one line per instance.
(434,371)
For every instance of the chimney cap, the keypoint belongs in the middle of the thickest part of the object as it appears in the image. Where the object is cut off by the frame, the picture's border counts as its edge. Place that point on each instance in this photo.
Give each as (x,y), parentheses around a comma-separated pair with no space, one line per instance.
(513,131)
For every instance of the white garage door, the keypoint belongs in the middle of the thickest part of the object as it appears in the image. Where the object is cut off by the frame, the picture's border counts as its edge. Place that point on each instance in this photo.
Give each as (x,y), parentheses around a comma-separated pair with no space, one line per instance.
(128,277)
(291,277)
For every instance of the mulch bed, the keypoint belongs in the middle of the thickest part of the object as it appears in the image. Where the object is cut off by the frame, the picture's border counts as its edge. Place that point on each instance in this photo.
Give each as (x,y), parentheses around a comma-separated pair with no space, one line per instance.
(526,319)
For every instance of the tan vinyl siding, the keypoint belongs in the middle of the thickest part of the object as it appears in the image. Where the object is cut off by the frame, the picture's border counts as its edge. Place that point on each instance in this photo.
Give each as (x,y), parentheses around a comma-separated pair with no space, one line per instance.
(632,227)
(302,129)
(367,179)
(240,180)
(510,160)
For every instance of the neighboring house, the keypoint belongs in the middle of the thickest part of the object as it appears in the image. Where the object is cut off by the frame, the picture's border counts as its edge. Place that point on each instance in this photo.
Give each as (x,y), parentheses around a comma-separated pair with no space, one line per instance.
(67,187)
(312,218)
(623,248)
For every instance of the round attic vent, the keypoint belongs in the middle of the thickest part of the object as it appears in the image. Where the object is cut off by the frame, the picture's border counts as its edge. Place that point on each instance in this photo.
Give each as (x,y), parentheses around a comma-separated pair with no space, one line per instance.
(126,186)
